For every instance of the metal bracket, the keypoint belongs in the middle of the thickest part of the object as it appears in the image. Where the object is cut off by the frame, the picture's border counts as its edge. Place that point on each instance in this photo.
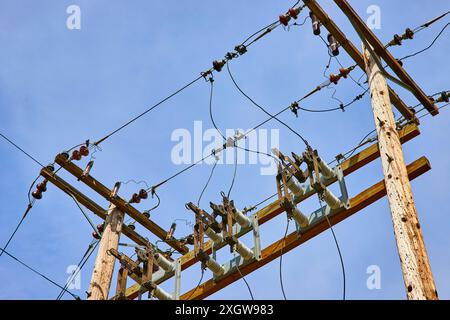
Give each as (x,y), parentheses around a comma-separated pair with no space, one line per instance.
(176,294)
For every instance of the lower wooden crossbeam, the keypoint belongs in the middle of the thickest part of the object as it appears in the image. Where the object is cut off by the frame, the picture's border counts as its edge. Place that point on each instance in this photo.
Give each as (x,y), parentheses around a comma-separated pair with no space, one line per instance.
(350,165)
(292,240)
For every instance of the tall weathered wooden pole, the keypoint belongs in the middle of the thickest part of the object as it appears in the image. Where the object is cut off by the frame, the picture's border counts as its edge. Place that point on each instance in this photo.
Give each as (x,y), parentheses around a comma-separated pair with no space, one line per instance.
(104,263)
(416,268)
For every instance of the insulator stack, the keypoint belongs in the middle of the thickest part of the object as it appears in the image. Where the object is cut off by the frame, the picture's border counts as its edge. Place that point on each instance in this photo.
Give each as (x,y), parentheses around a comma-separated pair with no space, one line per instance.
(215,267)
(324,168)
(161,294)
(331,199)
(214,236)
(334,78)
(334,46)
(295,188)
(164,263)
(40,189)
(242,219)
(300,218)
(284,19)
(243,250)
(444,97)
(137,197)
(294,12)
(344,72)
(100,228)
(78,154)
(315,23)
(397,40)
(95,235)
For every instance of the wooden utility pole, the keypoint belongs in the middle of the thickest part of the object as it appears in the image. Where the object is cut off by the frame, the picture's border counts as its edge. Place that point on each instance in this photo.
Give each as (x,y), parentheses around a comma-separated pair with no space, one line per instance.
(416,268)
(104,263)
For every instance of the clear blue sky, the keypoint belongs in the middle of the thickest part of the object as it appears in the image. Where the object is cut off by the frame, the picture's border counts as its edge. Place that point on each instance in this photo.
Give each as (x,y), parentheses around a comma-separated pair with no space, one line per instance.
(59,87)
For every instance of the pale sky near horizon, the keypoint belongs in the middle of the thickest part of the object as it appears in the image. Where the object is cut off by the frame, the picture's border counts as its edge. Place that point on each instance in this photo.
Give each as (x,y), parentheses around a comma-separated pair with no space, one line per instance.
(59,87)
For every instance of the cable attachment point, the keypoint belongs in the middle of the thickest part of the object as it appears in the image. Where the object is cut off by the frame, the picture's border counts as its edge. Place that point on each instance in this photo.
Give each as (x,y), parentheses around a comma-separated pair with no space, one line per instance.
(241,49)
(231,55)
(444,97)
(205,74)
(294,108)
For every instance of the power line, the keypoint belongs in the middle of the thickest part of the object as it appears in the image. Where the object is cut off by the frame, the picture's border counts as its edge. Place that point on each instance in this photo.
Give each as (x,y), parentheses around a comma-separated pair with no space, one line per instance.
(234,173)
(207,183)
(262,108)
(272,116)
(281,261)
(30,202)
(16,229)
(21,150)
(80,266)
(148,110)
(198,285)
(243,278)
(39,273)
(211,116)
(428,47)
(266,30)
(337,247)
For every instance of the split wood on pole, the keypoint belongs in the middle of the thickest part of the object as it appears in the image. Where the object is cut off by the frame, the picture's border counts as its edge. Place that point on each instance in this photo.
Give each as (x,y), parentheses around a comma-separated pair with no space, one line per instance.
(104,263)
(414,261)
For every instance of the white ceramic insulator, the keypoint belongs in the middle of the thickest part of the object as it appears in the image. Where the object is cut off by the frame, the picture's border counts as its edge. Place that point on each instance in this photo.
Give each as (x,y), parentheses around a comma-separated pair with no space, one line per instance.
(324,168)
(295,188)
(216,268)
(240,218)
(161,294)
(245,252)
(214,236)
(331,199)
(300,218)
(164,263)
